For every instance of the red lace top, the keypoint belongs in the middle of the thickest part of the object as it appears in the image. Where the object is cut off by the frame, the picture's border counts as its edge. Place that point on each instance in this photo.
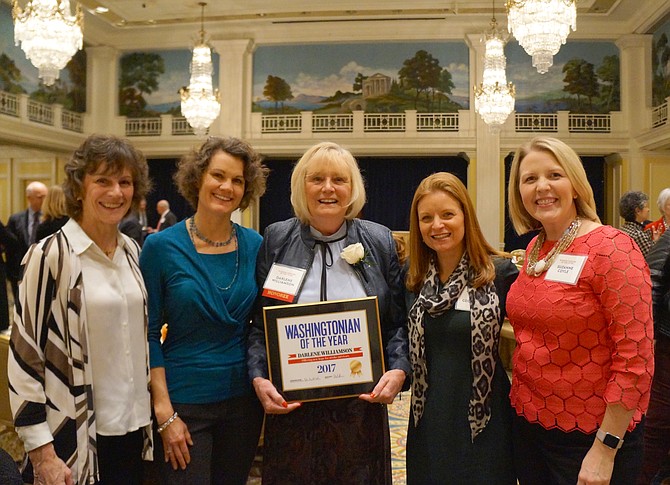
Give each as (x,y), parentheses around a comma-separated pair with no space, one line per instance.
(581,347)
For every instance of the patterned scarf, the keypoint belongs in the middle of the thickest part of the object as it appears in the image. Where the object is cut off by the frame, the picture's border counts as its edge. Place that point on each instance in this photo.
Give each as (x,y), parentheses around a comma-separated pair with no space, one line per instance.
(485,324)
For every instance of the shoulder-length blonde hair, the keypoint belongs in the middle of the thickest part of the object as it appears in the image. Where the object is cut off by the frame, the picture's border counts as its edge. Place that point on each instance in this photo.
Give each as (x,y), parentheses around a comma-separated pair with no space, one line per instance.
(330,154)
(570,162)
(478,249)
(53,206)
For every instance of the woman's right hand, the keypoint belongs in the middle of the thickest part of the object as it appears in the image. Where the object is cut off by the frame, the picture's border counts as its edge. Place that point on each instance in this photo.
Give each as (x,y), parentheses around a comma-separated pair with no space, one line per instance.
(48,468)
(272,401)
(176,440)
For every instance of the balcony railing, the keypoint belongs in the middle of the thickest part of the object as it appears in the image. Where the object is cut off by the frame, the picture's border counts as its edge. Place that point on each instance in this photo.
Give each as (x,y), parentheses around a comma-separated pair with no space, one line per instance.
(356,124)
(54,115)
(659,115)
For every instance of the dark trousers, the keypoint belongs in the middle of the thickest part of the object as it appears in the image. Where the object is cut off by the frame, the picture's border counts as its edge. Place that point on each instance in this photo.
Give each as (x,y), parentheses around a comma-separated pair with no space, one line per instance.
(554,457)
(120,459)
(225,438)
(657,424)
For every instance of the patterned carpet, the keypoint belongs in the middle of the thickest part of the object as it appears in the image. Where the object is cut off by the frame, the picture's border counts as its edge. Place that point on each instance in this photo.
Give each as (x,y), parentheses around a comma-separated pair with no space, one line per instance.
(398,416)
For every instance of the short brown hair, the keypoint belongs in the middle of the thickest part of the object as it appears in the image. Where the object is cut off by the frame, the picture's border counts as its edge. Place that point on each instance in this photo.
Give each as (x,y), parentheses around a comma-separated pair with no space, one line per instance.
(117,154)
(569,161)
(478,249)
(194,164)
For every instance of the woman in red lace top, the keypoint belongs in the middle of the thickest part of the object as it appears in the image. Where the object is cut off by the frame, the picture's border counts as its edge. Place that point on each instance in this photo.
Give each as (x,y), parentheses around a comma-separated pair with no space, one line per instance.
(581,312)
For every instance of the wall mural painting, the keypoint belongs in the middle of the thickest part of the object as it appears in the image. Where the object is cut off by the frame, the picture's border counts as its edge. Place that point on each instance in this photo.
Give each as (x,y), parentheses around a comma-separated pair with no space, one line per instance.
(660,64)
(373,77)
(19,76)
(584,79)
(149,81)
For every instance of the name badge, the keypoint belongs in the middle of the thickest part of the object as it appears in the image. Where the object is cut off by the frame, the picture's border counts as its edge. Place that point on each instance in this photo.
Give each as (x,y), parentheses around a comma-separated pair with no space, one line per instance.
(566,269)
(283,282)
(463,302)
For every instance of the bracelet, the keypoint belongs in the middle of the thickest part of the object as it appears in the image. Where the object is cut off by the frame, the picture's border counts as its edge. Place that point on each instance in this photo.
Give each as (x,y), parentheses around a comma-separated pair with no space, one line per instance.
(167,423)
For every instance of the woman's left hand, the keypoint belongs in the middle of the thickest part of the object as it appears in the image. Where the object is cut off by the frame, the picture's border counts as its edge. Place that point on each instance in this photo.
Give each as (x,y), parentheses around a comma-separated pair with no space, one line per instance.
(597,465)
(387,388)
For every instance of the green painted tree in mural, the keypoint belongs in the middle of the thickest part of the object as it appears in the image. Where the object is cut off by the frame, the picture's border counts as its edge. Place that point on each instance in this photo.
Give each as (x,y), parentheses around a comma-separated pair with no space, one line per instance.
(139,76)
(10,75)
(610,80)
(659,62)
(444,87)
(421,73)
(76,96)
(358,83)
(581,80)
(278,90)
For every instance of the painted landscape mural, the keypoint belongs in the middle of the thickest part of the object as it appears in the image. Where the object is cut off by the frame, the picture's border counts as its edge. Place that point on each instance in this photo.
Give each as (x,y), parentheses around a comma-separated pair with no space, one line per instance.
(584,79)
(19,76)
(149,81)
(660,62)
(374,77)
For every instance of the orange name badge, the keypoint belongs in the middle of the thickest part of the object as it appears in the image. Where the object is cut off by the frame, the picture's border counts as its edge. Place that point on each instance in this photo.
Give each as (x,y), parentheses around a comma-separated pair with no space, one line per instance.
(283,282)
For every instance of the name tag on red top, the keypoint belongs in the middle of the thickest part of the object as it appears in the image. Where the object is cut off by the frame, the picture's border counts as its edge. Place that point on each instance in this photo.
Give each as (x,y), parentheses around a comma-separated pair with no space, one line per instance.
(566,268)
(283,282)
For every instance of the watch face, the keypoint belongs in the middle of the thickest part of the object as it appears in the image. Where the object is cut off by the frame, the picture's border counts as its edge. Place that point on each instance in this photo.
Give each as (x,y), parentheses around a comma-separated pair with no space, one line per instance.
(611,441)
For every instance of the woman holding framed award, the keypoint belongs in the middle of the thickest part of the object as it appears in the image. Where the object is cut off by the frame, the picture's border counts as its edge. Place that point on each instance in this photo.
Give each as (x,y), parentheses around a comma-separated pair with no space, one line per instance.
(342,440)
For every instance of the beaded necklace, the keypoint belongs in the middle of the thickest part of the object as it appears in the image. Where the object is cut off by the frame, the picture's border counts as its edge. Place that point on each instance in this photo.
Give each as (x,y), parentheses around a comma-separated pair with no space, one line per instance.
(202,237)
(535,267)
(194,232)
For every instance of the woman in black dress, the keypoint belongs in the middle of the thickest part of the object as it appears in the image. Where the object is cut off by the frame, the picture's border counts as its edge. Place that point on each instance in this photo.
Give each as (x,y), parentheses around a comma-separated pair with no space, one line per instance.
(460,420)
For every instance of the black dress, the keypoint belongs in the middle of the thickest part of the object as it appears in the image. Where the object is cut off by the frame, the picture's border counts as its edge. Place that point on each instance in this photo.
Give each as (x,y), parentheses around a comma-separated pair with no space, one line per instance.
(440,449)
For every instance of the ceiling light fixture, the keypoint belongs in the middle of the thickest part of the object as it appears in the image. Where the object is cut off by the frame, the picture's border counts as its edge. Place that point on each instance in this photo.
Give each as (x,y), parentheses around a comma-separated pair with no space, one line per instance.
(199,102)
(541,27)
(48,34)
(494,98)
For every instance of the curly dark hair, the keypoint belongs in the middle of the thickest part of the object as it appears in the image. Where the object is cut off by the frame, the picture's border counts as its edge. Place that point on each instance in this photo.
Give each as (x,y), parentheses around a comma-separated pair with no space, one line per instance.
(194,164)
(117,154)
(629,202)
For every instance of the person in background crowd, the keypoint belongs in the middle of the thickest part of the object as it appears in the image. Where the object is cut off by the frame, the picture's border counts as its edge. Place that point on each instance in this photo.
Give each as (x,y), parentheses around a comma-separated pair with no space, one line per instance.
(7,243)
(634,209)
(581,313)
(460,428)
(346,440)
(200,280)
(659,226)
(657,423)
(23,226)
(54,213)
(167,217)
(78,363)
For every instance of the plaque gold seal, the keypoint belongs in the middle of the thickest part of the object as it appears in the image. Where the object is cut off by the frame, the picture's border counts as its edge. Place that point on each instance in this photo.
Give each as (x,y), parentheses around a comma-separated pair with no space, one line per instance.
(355,366)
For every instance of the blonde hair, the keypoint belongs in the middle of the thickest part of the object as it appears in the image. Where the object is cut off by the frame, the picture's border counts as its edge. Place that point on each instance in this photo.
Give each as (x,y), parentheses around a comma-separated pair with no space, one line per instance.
(342,160)
(570,162)
(53,206)
(478,249)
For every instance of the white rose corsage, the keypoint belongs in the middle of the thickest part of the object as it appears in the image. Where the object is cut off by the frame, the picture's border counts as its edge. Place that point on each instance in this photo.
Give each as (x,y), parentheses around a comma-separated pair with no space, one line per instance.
(356,255)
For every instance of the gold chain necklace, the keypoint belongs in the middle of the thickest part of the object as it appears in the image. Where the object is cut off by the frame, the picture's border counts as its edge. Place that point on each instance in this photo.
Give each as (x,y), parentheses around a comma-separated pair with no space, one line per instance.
(535,267)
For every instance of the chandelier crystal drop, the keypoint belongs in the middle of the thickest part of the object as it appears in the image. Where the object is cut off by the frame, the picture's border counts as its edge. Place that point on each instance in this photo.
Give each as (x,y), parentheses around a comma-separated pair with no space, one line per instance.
(49,34)
(494,98)
(541,27)
(199,102)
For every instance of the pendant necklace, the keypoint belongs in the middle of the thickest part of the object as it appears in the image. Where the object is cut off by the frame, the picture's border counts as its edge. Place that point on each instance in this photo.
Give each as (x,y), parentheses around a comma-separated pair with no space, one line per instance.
(203,238)
(194,232)
(535,267)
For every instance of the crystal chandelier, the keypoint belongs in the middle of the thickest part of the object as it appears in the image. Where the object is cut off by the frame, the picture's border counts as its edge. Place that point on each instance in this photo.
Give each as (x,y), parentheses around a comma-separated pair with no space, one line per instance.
(494,98)
(199,102)
(48,34)
(541,27)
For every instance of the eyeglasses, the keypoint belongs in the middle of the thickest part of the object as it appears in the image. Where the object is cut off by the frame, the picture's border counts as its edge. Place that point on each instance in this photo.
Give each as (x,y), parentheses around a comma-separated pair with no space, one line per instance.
(320,180)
